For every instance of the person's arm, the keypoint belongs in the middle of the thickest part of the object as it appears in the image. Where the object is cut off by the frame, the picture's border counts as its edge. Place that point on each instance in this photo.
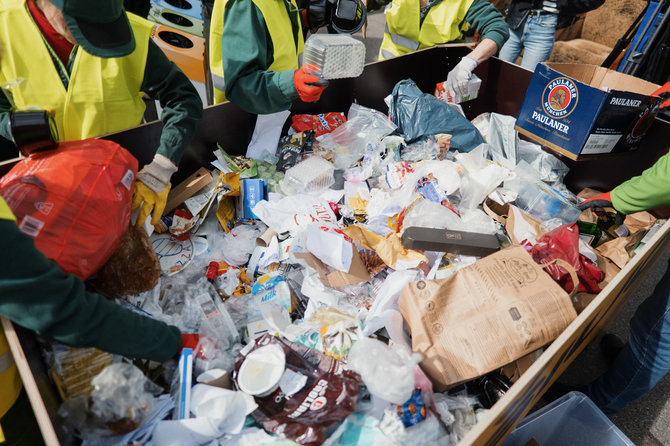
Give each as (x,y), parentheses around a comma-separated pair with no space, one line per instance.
(5,106)
(484,50)
(182,106)
(36,294)
(650,190)
(488,21)
(247,54)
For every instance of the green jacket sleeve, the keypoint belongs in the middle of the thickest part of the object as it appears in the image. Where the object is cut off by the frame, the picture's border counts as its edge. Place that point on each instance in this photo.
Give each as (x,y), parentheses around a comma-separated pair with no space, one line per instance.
(648,191)
(182,107)
(36,294)
(5,131)
(488,21)
(247,54)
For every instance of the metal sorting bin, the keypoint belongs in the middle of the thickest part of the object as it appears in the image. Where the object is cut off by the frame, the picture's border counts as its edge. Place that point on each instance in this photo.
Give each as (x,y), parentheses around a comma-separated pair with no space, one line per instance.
(503,88)
(572,419)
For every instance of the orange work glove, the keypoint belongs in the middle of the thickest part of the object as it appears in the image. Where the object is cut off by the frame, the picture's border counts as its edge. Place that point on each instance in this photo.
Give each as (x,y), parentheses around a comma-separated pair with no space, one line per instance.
(603,200)
(664,91)
(304,84)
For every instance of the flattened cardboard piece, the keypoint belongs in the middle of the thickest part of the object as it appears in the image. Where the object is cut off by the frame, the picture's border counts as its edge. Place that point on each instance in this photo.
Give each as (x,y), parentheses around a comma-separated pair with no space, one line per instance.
(639,221)
(357,272)
(388,248)
(187,188)
(618,250)
(514,370)
(521,226)
(484,316)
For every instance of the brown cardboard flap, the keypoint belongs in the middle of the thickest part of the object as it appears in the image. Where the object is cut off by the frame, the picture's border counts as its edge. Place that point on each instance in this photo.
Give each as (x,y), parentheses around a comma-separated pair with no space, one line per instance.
(265,238)
(600,77)
(484,316)
(187,188)
(357,272)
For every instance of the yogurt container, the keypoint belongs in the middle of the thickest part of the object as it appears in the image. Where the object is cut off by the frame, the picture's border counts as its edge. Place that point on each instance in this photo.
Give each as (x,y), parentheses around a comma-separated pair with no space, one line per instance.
(261,371)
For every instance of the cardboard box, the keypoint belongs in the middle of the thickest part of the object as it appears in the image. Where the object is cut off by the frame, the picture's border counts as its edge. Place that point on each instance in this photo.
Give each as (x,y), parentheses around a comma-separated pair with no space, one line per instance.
(187,188)
(584,110)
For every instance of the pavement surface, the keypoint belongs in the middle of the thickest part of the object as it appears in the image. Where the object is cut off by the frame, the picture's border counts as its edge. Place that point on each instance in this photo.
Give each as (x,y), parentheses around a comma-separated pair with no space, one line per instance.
(646,422)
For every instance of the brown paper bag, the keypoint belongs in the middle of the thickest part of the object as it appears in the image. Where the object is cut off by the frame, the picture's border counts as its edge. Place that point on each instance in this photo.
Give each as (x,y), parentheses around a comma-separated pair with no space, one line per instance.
(484,316)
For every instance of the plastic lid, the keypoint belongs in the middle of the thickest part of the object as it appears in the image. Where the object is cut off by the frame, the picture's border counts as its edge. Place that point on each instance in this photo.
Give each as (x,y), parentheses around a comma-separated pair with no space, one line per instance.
(261,371)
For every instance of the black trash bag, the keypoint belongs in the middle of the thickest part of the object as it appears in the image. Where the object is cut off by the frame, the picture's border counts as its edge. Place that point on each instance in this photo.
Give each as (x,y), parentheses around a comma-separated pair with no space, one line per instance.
(418,115)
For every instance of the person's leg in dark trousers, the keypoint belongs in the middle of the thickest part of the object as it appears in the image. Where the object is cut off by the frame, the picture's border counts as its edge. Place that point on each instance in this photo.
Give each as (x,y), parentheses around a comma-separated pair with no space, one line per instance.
(644,360)
(19,424)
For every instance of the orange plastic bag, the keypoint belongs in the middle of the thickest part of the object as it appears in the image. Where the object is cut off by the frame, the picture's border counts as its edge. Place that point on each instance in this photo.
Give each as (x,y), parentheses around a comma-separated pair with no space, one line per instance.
(74,201)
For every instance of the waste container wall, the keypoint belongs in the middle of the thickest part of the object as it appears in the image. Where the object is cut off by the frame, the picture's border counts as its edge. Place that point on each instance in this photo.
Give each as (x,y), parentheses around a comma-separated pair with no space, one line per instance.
(503,89)
(572,419)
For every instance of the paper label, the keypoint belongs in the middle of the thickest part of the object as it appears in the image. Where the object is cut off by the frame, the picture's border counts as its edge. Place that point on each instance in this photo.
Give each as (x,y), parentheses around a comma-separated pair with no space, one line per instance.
(600,144)
(31,226)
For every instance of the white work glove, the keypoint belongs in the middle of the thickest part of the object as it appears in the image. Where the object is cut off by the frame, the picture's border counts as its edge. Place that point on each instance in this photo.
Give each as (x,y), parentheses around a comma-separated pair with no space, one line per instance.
(152,187)
(457,79)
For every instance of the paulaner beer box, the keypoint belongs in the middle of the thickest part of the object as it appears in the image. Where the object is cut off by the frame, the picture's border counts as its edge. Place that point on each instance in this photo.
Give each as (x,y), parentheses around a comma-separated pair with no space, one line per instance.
(583,111)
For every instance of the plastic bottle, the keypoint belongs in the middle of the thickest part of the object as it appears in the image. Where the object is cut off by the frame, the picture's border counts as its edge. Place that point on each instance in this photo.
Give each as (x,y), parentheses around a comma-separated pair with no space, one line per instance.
(544,202)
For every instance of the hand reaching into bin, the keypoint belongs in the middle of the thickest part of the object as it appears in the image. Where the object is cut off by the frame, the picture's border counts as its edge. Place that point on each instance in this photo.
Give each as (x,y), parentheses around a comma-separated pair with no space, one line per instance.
(152,188)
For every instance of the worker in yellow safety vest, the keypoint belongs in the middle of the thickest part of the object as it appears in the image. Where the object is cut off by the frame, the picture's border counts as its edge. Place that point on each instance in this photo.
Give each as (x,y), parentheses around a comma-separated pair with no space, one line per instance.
(34,292)
(48,62)
(415,24)
(258,44)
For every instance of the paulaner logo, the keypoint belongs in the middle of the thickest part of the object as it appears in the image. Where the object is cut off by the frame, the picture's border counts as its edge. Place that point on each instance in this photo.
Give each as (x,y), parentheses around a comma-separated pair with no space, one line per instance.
(560,97)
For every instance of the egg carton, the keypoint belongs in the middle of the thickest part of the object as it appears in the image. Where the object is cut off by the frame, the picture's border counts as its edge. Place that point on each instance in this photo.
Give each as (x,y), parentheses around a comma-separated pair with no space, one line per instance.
(335,56)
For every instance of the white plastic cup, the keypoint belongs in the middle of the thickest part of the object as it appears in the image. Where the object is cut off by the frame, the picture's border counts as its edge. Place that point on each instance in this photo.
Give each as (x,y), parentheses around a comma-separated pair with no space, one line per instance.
(261,371)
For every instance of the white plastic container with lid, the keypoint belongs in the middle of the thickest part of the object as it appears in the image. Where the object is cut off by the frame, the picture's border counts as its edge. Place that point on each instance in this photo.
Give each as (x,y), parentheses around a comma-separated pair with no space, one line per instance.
(261,370)
(310,175)
(335,56)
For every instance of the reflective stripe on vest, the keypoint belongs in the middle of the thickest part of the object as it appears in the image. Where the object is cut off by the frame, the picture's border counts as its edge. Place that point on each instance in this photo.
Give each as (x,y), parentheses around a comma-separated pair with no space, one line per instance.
(10,382)
(285,54)
(103,95)
(405,33)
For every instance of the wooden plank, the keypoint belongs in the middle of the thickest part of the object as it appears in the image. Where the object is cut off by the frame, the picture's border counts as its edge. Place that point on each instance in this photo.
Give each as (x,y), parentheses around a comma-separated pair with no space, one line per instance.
(29,384)
(523,395)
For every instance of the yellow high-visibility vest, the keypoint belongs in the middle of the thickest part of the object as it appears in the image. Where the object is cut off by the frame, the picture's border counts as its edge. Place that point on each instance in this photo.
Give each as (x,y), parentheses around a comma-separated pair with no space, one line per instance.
(103,95)
(10,381)
(405,33)
(285,56)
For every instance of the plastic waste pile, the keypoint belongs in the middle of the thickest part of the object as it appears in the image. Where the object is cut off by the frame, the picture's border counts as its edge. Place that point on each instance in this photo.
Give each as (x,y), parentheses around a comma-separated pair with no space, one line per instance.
(291,274)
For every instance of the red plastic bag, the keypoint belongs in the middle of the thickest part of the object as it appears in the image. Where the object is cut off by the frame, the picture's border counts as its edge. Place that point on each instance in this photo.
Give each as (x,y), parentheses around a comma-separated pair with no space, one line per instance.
(74,201)
(563,243)
(322,123)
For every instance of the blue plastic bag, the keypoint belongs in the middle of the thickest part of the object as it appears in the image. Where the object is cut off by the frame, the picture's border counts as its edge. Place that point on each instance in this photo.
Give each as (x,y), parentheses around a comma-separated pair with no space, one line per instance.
(419,115)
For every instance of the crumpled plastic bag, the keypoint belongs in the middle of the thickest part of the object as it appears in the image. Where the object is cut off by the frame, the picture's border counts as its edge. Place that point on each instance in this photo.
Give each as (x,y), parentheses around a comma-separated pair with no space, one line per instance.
(388,372)
(419,115)
(348,141)
(121,399)
(239,243)
(294,212)
(563,243)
